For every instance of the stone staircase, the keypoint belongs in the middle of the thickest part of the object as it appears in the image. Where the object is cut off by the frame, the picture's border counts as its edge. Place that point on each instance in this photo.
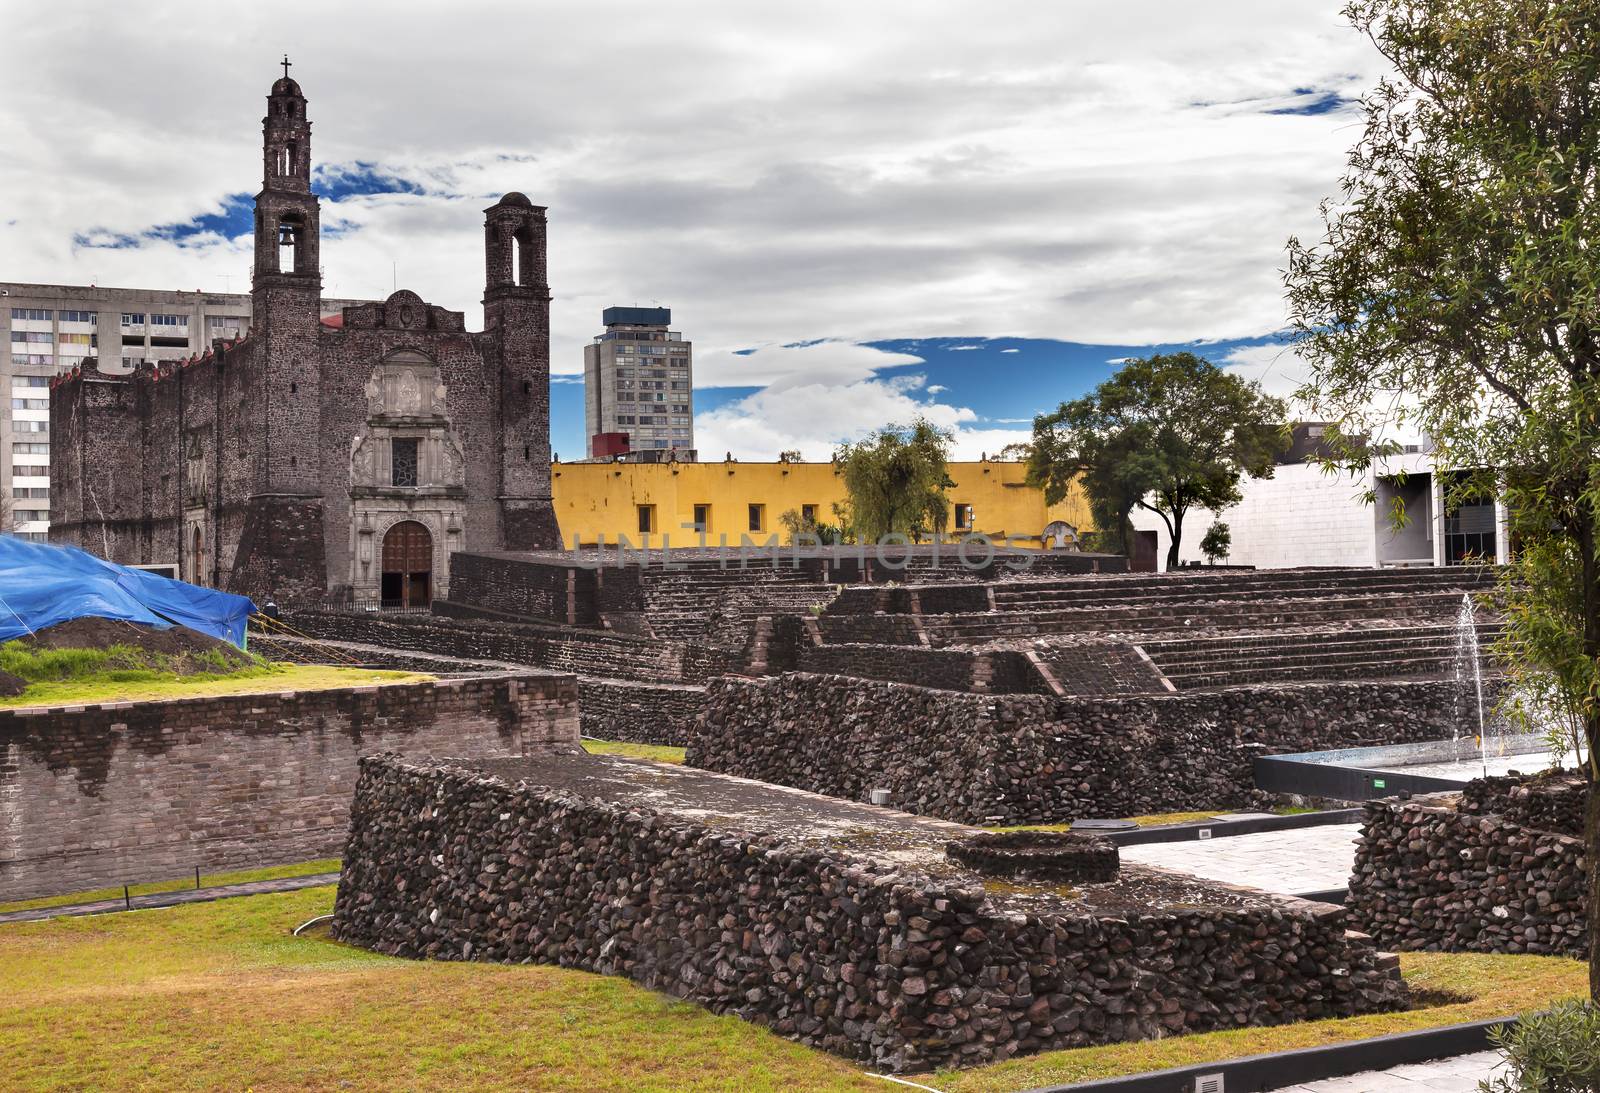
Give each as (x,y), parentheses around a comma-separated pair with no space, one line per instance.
(1173,603)
(1392,652)
(688,603)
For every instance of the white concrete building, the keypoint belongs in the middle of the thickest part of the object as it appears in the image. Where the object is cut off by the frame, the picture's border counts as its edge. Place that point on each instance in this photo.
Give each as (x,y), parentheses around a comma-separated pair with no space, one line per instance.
(1306,516)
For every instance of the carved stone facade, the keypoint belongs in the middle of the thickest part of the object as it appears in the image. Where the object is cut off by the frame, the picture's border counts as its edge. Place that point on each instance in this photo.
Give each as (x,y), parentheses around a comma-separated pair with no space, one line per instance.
(318,457)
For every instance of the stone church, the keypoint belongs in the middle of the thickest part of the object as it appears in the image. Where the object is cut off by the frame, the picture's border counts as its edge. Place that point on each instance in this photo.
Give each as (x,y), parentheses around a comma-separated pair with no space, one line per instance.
(316,456)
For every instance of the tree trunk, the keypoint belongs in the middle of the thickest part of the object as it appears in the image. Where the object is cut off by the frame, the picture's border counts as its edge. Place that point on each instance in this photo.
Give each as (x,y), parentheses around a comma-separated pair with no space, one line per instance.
(1591,732)
(1177,537)
(1591,856)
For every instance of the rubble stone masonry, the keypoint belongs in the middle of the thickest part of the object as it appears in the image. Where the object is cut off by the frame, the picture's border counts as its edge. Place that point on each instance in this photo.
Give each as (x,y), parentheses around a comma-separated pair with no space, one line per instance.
(95,796)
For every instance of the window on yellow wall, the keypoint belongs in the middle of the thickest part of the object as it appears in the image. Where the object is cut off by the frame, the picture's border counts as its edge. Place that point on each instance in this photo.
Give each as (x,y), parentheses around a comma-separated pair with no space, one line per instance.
(758,517)
(963,517)
(702,518)
(647,519)
(808,513)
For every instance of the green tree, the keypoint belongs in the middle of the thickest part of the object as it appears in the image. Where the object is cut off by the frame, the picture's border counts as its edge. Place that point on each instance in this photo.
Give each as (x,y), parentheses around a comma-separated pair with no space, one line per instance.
(895,481)
(804,531)
(1217,542)
(1455,290)
(1166,433)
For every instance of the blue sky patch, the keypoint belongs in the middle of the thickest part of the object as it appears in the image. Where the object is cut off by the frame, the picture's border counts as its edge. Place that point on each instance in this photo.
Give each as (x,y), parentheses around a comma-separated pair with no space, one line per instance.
(236,218)
(1005,381)
(337,181)
(1309,101)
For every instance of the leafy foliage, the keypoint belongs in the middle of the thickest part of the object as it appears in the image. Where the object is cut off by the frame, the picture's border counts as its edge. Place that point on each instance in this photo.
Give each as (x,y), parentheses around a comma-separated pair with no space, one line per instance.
(896,481)
(1165,433)
(803,531)
(1456,292)
(1557,1051)
(1217,542)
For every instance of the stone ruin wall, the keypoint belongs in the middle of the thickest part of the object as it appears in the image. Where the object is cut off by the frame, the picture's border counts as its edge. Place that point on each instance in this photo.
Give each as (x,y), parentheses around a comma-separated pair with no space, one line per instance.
(830,949)
(1430,876)
(628,687)
(581,650)
(1016,759)
(101,796)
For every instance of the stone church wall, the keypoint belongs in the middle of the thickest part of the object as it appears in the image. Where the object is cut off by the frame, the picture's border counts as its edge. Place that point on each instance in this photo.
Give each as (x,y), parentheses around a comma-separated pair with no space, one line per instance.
(107,795)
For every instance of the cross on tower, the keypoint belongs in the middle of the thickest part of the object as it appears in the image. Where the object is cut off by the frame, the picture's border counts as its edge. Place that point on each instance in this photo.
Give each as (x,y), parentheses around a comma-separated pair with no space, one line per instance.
(286,63)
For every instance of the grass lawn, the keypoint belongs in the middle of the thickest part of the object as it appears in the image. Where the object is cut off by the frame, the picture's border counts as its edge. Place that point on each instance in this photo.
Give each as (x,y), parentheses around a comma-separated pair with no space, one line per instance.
(661,753)
(219,995)
(208,880)
(261,679)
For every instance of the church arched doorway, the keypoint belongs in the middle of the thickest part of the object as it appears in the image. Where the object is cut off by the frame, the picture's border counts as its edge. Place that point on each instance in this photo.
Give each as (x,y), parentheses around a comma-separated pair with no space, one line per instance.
(407,565)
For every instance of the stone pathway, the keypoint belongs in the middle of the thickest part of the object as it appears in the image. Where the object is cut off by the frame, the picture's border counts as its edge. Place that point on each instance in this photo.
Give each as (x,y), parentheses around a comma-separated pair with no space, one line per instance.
(1460,1074)
(1307,859)
(174,899)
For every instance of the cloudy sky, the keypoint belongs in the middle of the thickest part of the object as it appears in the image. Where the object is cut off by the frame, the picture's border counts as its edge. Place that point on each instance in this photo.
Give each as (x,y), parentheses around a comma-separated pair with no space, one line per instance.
(859,212)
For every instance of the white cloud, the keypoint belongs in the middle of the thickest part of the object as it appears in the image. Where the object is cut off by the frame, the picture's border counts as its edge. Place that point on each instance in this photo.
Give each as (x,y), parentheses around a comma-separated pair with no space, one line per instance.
(937,389)
(829,362)
(895,169)
(814,418)
(1278,368)
(961,348)
(1011,351)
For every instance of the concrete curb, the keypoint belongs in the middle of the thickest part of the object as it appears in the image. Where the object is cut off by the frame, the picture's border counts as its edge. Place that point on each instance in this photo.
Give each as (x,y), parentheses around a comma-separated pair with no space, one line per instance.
(1254,1073)
(1223,827)
(179,898)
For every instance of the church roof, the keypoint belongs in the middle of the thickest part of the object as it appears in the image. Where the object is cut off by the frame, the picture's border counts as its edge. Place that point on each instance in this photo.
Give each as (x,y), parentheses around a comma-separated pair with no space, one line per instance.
(285,86)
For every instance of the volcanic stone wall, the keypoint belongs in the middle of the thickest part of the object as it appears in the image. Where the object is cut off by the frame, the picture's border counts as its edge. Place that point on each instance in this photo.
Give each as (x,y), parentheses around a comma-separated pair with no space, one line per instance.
(639,713)
(995,671)
(1099,668)
(1430,877)
(585,651)
(1023,759)
(833,949)
(121,793)
(1547,802)
(521,586)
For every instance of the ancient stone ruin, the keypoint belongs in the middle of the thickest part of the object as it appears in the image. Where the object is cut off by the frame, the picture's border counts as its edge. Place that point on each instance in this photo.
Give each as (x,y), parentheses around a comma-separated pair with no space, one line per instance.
(1499,868)
(839,925)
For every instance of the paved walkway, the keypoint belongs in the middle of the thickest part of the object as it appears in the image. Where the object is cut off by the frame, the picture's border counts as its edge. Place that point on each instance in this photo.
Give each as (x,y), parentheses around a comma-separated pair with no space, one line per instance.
(1458,1075)
(1307,859)
(174,899)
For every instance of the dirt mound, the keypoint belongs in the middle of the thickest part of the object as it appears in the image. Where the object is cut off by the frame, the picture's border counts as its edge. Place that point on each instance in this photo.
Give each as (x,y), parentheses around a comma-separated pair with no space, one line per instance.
(177,648)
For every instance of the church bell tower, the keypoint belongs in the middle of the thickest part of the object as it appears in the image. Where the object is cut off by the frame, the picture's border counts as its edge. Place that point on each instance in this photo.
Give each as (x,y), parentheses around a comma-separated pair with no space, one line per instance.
(281,548)
(286,209)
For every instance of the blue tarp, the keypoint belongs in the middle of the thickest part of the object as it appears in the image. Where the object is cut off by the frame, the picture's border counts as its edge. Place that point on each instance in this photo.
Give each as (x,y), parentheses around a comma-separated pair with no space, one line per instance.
(41,585)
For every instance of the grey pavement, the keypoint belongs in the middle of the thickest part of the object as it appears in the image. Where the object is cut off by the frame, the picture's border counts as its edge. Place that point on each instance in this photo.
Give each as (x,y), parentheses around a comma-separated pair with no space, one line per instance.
(1460,1074)
(174,899)
(1307,859)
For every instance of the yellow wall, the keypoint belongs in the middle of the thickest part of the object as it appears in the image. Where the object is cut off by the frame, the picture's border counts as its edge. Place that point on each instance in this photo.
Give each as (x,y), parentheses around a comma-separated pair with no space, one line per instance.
(595,499)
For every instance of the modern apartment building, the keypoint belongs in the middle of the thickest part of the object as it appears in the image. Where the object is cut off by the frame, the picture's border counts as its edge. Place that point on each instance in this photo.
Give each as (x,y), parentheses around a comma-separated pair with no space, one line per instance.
(51,328)
(638,380)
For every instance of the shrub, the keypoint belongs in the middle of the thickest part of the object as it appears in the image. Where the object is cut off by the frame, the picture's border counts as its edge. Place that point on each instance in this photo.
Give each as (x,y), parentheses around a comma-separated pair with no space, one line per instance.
(1557,1051)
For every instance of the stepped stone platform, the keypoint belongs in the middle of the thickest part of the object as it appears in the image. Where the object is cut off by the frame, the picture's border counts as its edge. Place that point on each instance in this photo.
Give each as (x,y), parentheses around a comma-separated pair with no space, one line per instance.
(840,925)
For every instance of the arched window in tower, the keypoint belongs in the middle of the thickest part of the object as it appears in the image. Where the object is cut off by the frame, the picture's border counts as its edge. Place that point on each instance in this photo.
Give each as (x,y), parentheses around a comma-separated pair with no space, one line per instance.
(290,154)
(289,237)
(522,256)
